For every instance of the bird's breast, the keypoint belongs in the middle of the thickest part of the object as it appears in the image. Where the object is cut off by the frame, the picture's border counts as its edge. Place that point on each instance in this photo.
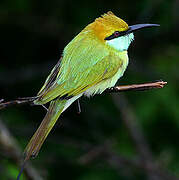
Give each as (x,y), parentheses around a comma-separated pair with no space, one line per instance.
(118,60)
(122,57)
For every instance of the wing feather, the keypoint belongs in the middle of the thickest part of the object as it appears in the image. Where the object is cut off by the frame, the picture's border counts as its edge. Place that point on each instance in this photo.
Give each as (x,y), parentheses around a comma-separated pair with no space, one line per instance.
(85,62)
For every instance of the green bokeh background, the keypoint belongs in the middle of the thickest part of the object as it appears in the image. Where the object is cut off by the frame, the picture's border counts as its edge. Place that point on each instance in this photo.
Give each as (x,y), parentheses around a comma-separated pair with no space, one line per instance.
(32,37)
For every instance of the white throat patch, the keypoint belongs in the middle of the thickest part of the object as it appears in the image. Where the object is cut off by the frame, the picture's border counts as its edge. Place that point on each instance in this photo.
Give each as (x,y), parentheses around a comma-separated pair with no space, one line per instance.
(121,43)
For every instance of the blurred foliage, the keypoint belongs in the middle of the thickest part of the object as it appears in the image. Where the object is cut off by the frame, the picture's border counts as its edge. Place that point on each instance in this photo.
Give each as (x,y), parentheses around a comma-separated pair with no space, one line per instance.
(33,35)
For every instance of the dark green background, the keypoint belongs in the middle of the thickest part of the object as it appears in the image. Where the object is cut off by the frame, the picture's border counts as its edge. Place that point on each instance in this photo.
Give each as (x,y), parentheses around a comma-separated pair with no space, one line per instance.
(32,37)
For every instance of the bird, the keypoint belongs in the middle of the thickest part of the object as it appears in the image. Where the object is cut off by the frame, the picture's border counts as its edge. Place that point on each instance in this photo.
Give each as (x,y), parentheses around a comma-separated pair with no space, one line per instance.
(92,62)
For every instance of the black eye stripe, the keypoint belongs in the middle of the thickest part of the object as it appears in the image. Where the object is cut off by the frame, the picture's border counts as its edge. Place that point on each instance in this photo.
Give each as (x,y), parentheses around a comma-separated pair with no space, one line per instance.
(113,36)
(116,34)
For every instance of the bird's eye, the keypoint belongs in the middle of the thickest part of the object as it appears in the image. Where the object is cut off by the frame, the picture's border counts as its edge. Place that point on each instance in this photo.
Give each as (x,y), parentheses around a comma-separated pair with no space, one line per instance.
(116,33)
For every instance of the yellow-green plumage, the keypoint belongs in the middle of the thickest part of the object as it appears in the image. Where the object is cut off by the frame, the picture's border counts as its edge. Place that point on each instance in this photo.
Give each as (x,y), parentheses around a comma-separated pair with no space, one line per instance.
(88,66)
(86,61)
(92,62)
(54,111)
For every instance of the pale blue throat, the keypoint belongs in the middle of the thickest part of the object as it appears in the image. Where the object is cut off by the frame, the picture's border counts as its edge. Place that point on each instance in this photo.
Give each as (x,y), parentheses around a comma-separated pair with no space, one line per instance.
(121,43)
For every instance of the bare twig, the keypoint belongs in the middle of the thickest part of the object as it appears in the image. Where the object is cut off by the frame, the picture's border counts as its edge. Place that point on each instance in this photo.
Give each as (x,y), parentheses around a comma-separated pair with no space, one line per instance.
(133,87)
(137,87)
(12,150)
(18,101)
(140,143)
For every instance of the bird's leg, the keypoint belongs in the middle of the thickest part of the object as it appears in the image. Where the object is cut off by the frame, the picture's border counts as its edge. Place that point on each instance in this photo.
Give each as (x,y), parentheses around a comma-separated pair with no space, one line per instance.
(44,107)
(79,107)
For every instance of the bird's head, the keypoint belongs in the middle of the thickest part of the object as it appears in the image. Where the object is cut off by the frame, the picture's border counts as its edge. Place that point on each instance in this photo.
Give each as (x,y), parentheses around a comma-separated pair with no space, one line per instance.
(113,31)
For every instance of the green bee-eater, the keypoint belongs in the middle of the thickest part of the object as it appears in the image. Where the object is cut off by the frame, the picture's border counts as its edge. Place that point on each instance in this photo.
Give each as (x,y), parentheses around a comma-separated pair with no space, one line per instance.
(92,62)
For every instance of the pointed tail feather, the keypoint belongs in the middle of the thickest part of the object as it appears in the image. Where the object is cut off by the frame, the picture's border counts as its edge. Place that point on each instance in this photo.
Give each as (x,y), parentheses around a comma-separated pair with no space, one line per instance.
(55,109)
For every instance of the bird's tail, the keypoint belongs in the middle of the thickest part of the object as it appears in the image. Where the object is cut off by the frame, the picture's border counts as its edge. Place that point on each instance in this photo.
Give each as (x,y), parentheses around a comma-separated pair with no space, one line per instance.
(55,109)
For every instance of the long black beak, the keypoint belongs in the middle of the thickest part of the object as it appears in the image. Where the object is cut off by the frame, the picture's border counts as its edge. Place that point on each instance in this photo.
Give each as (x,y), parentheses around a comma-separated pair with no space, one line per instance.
(131,29)
(140,26)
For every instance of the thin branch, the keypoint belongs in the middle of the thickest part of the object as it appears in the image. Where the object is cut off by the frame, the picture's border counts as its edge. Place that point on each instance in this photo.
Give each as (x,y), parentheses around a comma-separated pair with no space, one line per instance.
(133,87)
(137,87)
(19,101)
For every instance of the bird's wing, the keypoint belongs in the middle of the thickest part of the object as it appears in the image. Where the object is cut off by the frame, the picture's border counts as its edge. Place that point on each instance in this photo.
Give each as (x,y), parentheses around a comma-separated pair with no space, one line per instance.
(51,78)
(85,63)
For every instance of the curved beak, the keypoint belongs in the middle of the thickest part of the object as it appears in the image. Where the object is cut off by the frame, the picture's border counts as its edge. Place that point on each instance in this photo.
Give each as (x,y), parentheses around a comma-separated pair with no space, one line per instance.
(132,29)
(140,26)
